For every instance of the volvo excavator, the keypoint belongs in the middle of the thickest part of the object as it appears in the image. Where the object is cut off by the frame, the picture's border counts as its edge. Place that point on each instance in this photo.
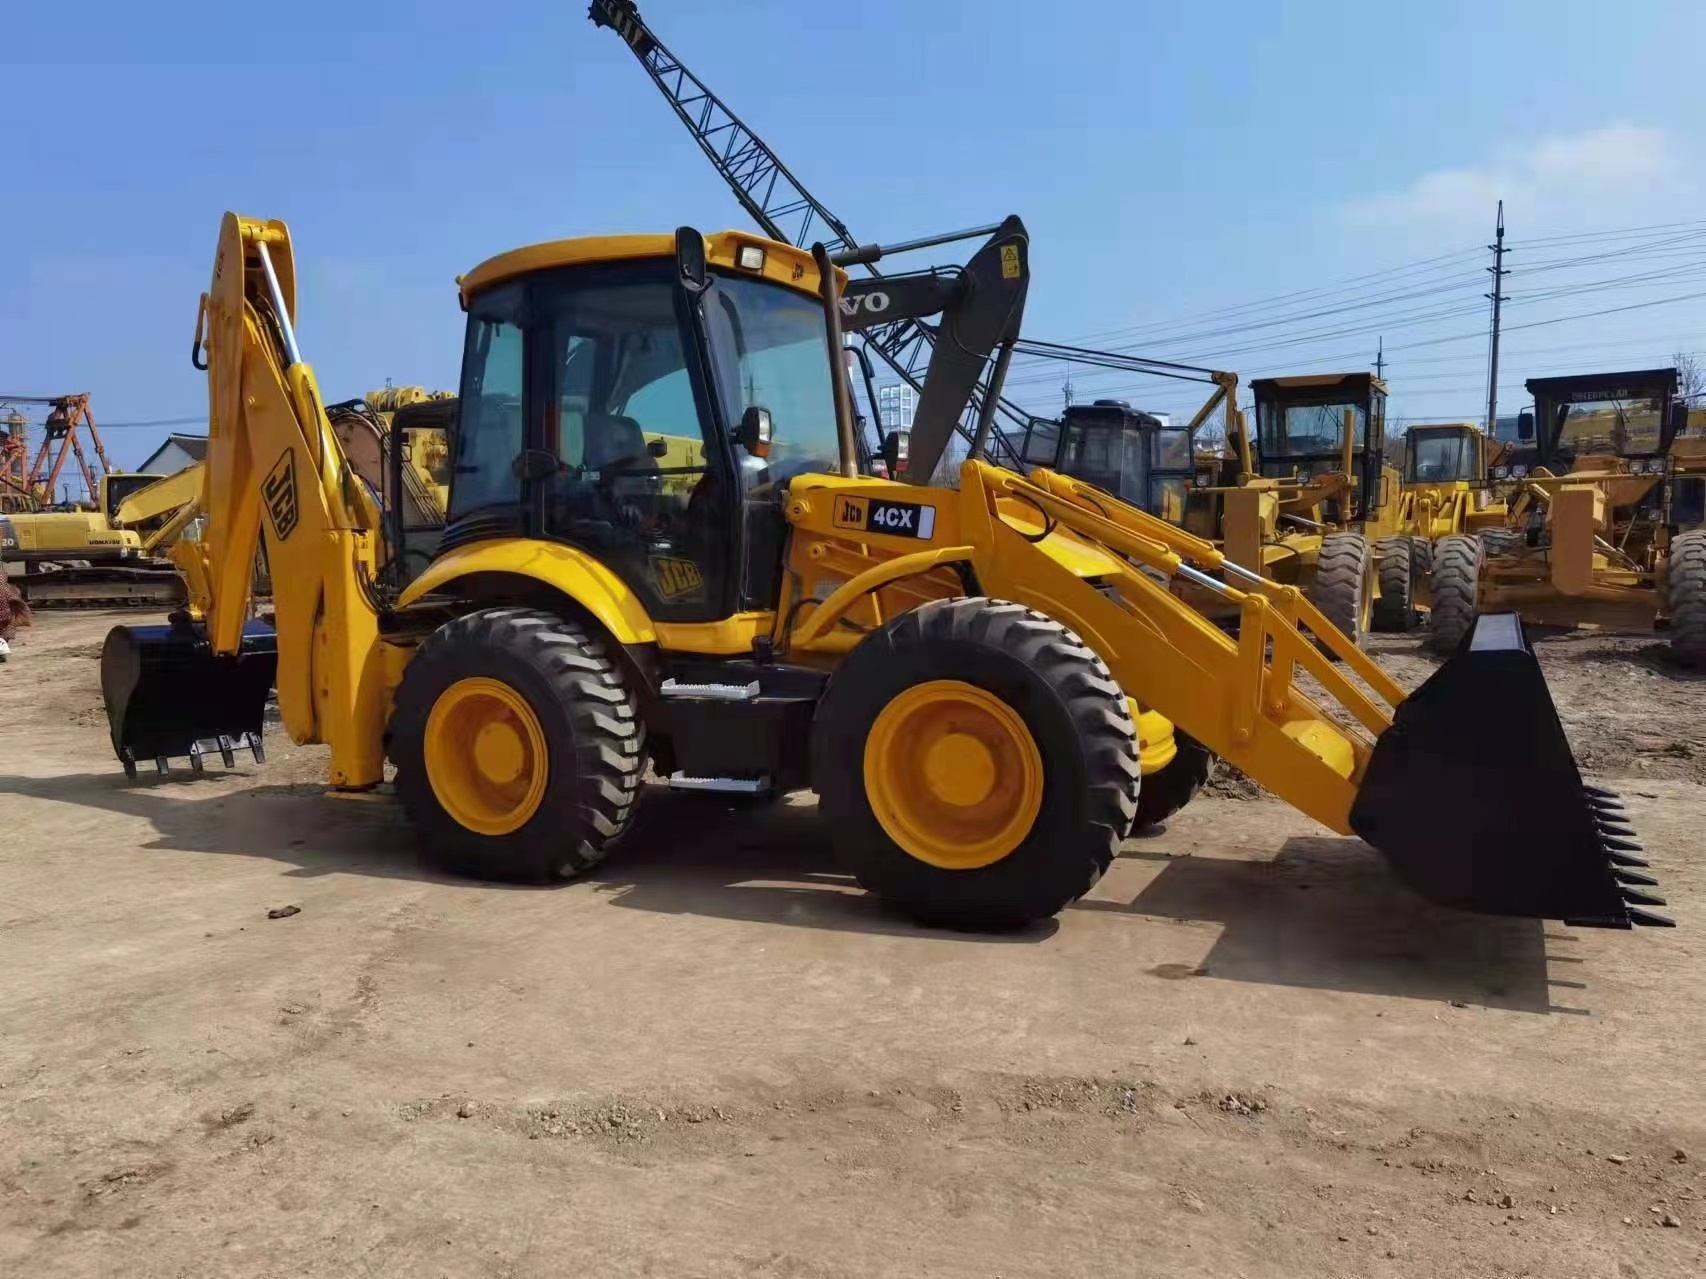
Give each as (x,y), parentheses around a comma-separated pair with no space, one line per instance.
(952,670)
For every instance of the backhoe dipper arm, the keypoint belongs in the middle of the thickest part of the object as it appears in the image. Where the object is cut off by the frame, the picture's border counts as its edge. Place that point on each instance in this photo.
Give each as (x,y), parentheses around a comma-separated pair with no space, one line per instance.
(275,468)
(981,305)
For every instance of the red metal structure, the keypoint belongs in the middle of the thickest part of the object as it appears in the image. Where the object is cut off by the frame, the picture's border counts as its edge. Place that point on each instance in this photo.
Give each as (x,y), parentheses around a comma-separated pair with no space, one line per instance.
(68,416)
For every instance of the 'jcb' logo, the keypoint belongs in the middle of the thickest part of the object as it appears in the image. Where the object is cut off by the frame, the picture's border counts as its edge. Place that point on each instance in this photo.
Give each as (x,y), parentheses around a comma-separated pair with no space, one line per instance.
(279,493)
(676,577)
(850,512)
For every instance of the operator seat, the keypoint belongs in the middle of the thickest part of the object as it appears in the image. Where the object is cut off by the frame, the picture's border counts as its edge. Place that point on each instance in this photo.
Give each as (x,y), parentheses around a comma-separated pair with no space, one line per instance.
(614,440)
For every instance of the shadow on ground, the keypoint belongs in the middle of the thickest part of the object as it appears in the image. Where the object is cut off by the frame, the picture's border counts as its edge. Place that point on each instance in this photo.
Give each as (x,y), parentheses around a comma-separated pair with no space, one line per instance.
(1327,913)
(684,855)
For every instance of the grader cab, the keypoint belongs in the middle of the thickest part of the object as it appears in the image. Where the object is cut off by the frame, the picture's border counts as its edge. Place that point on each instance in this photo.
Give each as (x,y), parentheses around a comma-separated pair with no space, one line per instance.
(954,671)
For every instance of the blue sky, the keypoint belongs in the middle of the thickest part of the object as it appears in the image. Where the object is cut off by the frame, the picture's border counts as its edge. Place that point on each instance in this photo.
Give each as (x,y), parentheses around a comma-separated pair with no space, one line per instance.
(1172,161)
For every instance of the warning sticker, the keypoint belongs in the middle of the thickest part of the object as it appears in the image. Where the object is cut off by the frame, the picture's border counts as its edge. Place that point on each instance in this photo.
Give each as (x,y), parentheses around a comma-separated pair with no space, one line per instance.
(1009,262)
(876,515)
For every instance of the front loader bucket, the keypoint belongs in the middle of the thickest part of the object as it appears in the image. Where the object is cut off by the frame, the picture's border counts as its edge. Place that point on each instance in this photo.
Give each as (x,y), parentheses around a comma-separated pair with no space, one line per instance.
(169,694)
(1475,799)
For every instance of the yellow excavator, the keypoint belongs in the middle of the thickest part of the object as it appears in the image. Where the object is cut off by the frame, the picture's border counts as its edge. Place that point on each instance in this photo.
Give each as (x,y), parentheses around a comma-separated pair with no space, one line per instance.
(114,554)
(952,670)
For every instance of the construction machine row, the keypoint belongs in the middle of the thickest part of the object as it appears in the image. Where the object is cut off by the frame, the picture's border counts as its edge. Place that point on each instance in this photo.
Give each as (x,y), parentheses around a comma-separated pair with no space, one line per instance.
(663,547)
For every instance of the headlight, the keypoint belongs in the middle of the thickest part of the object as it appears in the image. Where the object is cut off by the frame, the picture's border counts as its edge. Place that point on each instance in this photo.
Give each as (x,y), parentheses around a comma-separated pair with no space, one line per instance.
(1500,472)
(1519,472)
(1655,466)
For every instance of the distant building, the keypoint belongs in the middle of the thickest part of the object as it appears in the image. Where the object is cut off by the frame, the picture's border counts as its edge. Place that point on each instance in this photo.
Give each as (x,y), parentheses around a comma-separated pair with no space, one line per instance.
(175,454)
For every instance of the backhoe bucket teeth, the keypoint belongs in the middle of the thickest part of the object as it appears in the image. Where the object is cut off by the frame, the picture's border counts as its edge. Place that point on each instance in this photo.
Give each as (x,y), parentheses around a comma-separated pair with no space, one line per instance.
(1474,797)
(168,694)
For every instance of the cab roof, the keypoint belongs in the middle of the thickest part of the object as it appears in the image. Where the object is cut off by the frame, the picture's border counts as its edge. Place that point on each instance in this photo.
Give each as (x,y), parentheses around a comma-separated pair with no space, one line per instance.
(783,263)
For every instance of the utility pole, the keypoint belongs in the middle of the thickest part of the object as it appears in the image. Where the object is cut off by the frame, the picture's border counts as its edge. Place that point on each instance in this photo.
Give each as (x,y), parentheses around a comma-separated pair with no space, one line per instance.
(1498,272)
(1380,360)
(1066,388)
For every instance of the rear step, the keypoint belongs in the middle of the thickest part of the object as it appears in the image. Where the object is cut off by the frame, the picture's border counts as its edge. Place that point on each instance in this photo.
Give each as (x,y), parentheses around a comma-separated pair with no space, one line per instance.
(1499,820)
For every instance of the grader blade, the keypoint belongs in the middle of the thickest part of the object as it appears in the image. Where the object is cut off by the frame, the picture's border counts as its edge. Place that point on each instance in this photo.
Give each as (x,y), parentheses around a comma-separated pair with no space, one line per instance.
(1475,799)
(168,694)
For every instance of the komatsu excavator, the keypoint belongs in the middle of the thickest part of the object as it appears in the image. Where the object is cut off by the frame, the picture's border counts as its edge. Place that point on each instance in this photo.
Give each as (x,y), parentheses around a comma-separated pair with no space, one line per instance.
(952,670)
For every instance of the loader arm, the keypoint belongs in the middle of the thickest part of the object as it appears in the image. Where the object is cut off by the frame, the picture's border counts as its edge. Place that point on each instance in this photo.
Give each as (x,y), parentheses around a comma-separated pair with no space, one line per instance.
(275,469)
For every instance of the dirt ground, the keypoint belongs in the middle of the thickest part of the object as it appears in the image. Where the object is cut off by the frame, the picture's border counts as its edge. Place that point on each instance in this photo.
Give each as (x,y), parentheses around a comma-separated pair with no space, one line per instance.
(1248,1053)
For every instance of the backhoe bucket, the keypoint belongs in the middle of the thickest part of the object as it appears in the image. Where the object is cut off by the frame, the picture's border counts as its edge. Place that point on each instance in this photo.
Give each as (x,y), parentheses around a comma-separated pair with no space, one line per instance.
(1475,799)
(169,694)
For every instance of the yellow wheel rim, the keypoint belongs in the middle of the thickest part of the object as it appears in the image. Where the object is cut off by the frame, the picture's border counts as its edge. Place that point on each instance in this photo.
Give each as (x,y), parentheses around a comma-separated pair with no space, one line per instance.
(485,756)
(953,774)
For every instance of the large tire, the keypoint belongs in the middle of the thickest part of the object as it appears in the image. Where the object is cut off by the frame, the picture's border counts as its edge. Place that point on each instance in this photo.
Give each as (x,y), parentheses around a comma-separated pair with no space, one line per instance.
(1455,589)
(1344,583)
(1398,564)
(1686,594)
(1502,541)
(1166,792)
(1075,714)
(593,736)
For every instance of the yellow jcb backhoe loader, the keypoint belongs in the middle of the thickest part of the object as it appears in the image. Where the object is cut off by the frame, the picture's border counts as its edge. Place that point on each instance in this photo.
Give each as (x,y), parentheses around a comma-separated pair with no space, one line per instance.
(951,670)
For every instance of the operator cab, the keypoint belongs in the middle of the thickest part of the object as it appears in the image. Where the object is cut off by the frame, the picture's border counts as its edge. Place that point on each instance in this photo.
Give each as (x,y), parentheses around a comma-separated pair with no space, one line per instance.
(1137,457)
(117,488)
(1443,454)
(646,399)
(1632,416)
(1306,426)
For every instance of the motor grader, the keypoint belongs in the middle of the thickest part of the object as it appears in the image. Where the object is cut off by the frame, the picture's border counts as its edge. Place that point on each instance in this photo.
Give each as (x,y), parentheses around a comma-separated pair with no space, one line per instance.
(1609,500)
(1305,504)
(952,670)
(1445,487)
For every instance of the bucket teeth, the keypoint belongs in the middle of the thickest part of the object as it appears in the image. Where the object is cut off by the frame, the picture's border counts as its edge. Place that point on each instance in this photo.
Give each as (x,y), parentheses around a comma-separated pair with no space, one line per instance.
(1635,878)
(1648,919)
(1621,845)
(1598,792)
(1624,859)
(1621,920)
(1635,897)
(1618,830)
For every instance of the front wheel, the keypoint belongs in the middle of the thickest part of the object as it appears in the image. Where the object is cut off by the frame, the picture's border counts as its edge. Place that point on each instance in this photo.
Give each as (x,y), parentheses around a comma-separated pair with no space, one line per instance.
(1344,584)
(977,764)
(1455,588)
(518,747)
(1686,593)
(1399,565)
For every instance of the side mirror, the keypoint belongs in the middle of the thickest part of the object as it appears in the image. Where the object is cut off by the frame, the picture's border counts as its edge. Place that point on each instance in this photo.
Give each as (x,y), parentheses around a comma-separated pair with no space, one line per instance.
(690,266)
(753,434)
(657,448)
(1678,417)
(897,451)
(1525,426)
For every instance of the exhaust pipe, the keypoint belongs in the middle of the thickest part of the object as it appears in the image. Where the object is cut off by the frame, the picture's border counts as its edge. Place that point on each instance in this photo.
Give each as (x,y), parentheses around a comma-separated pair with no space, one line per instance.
(1474,797)
(168,694)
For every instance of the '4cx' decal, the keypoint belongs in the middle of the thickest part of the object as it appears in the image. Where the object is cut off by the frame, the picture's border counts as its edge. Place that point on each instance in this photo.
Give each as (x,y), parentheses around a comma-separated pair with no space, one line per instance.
(876,515)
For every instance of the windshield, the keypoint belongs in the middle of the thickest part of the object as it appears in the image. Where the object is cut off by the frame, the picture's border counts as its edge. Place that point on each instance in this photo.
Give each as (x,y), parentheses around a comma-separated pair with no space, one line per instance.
(1620,426)
(120,487)
(769,351)
(1109,454)
(1439,457)
(1308,430)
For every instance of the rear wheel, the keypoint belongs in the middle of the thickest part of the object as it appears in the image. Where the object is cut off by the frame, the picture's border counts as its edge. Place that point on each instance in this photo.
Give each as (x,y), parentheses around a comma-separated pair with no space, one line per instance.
(1344,584)
(1687,597)
(977,764)
(1398,563)
(1455,589)
(518,748)
(1166,792)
